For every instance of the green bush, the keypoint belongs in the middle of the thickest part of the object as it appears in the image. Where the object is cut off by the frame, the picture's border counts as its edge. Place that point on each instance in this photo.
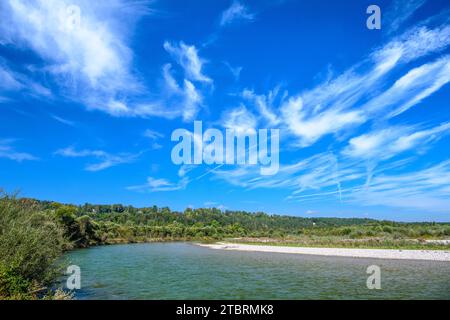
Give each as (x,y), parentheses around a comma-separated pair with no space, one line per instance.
(30,243)
(12,285)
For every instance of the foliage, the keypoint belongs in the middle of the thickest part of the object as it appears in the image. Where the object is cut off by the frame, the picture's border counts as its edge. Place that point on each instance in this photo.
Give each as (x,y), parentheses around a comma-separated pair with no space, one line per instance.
(90,224)
(30,243)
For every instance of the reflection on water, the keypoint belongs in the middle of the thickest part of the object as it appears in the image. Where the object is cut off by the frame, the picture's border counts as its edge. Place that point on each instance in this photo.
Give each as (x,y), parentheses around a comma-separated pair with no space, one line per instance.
(186,271)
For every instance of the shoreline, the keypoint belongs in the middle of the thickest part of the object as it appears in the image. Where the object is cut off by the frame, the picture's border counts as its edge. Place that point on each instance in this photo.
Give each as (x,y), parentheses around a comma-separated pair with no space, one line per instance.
(389,254)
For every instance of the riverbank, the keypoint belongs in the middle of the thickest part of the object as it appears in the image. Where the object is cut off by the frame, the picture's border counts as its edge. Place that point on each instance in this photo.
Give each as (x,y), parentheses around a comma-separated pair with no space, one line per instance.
(430,255)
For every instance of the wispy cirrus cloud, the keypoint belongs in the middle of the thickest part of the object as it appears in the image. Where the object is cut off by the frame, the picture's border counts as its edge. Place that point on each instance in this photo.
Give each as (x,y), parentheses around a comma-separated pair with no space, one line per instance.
(13,81)
(346,101)
(328,178)
(310,176)
(89,62)
(7,151)
(176,100)
(400,12)
(239,119)
(154,136)
(378,86)
(187,57)
(235,71)
(264,104)
(160,185)
(63,120)
(310,126)
(425,189)
(389,142)
(8,80)
(418,84)
(164,185)
(106,160)
(344,177)
(235,13)
(187,99)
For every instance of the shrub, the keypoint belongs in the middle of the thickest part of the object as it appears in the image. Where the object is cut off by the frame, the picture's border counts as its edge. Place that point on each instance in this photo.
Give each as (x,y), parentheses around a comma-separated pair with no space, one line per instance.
(30,243)
(12,285)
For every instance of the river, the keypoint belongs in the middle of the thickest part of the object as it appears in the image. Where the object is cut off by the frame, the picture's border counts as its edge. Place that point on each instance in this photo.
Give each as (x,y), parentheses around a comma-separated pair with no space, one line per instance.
(187,271)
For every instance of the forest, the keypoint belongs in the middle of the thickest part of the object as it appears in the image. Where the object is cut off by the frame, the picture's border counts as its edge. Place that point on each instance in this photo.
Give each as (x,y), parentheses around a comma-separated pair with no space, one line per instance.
(90,224)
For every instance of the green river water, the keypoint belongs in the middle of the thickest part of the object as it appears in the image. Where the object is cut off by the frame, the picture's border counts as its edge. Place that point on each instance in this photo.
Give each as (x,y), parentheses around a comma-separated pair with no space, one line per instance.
(187,271)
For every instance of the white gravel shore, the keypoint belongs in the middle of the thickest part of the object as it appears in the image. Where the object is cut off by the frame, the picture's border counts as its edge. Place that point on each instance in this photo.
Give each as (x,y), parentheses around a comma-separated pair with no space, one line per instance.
(433,255)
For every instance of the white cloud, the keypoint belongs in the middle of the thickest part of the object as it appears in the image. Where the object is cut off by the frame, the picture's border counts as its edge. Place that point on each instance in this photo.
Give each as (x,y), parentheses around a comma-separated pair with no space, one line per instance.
(419,42)
(184,100)
(264,104)
(330,177)
(399,12)
(185,169)
(420,137)
(314,173)
(152,134)
(90,62)
(107,160)
(192,100)
(236,12)
(387,143)
(7,151)
(348,100)
(327,173)
(160,185)
(8,80)
(63,120)
(310,127)
(187,57)
(239,119)
(412,88)
(11,81)
(424,190)
(175,100)
(235,71)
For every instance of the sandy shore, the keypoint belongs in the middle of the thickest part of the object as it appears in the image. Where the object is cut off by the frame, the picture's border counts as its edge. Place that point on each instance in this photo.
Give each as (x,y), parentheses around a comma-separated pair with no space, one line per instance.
(433,255)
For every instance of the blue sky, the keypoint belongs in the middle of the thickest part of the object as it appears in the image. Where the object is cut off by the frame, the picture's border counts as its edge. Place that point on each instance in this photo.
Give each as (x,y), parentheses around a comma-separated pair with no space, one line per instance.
(87,109)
